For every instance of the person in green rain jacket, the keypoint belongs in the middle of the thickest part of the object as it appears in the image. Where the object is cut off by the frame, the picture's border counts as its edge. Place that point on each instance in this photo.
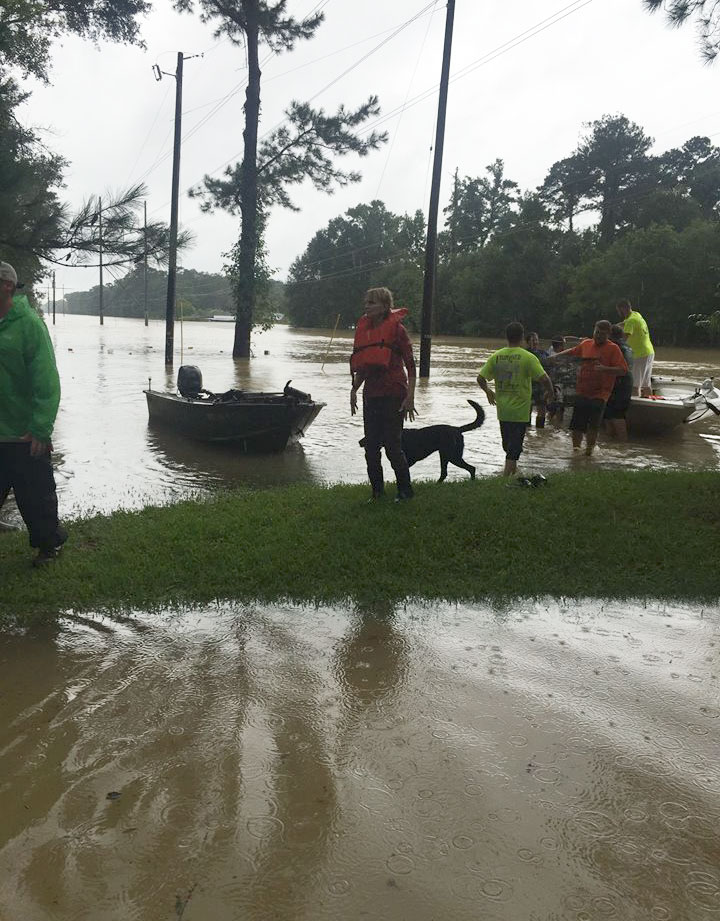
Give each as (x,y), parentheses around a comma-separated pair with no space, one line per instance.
(29,400)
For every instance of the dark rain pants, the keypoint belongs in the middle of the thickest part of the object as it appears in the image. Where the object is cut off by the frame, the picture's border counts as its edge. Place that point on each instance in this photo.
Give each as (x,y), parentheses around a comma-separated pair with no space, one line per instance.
(383,427)
(32,481)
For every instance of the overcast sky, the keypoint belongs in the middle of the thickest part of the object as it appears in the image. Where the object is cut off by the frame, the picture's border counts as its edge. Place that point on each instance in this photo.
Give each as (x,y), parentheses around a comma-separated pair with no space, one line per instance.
(106,114)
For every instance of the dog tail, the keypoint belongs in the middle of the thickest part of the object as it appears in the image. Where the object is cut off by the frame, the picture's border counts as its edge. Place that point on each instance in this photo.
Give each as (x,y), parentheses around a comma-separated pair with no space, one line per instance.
(480,418)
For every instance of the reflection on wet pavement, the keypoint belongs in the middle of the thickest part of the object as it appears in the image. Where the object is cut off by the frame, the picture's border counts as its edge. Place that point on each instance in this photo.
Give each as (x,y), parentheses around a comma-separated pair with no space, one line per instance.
(539,763)
(108,457)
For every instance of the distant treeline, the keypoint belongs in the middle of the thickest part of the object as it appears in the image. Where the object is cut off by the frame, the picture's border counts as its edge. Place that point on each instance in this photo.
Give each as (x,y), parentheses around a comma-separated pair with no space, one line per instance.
(198,293)
(609,221)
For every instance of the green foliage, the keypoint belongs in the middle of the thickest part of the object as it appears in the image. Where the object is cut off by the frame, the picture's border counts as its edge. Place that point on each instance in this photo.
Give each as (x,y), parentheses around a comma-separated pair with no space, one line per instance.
(298,151)
(365,247)
(28,28)
(479,207)
(668,275)
(202,293)
(707,14)
(508,255)
(30,177)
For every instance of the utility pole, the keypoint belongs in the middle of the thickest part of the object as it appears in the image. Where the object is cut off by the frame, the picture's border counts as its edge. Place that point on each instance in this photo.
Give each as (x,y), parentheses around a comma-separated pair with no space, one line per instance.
(63,300)
(145,260)
(431,244)
(53,287)
(102,319)
(172,255)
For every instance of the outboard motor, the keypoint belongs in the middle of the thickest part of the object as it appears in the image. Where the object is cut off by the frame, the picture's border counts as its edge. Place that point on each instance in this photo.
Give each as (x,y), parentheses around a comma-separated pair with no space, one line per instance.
(189,381)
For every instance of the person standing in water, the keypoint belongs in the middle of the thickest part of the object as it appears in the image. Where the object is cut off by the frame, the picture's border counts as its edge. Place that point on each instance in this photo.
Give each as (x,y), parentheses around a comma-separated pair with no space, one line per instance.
(382,361)
(619,400)
(638,339)
(532,343)
(602,362)
(514,369)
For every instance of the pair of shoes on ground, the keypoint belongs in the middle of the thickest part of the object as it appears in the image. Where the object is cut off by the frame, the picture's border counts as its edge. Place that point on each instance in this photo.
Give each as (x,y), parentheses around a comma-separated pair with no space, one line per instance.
(533,482)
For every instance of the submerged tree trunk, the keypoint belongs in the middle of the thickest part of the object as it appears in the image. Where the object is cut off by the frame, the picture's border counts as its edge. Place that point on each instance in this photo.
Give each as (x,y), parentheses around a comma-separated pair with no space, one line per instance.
(245,282)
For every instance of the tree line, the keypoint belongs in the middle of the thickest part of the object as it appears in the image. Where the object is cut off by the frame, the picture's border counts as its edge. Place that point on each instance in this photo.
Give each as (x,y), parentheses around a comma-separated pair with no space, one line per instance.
(199,294)
(611,220)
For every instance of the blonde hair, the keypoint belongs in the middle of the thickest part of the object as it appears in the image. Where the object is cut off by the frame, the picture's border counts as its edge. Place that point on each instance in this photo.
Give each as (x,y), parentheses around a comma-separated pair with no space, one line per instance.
(380,296)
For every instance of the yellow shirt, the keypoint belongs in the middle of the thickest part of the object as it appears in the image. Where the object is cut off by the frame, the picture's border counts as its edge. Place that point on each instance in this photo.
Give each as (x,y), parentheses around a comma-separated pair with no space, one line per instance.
(638,337)
(513,369)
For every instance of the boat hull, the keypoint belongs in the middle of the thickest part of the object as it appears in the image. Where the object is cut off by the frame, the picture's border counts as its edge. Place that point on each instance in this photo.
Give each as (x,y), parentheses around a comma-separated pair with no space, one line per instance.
(655,417)
(262,423)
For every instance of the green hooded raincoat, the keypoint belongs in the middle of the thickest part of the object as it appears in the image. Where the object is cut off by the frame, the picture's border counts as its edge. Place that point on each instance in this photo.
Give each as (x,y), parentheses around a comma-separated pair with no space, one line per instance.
(29,382)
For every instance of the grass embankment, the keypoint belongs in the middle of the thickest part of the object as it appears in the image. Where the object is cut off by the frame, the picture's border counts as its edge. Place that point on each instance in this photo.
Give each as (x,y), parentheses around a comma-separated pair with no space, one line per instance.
(604,534)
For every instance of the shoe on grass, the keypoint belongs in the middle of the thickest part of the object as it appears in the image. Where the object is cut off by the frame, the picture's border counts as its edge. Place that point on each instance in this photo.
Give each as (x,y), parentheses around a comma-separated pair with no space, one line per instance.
(538,480)
(521,481)
(45,557)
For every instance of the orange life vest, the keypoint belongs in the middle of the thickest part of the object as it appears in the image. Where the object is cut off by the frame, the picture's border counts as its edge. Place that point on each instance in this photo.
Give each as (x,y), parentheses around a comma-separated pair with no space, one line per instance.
(374,345)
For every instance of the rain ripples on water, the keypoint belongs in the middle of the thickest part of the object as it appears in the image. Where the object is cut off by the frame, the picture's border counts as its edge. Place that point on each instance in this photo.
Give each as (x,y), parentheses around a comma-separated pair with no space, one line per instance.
(546,761)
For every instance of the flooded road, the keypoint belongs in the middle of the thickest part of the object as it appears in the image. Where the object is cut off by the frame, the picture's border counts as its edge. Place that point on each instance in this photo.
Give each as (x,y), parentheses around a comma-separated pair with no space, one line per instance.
(544,763)
(108,457)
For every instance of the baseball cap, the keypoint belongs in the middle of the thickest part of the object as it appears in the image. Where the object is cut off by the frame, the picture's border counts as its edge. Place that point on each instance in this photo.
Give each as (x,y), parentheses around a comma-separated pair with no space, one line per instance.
(7,273)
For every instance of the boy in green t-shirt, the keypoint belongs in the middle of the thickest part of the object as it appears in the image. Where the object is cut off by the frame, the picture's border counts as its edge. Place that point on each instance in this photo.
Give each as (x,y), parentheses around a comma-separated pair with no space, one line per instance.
(513,369)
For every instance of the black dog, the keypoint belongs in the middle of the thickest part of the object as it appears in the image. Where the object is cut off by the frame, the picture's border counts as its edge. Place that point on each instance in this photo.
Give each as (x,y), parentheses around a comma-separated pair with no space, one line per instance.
(446,439)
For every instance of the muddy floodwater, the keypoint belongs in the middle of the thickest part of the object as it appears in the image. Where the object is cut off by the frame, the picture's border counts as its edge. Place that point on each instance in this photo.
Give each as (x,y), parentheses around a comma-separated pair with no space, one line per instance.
(545,763)
(108,457)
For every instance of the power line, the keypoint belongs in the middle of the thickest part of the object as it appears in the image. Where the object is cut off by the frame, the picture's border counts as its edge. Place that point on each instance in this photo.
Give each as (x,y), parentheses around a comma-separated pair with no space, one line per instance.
(147,138)
(487,58)
(344,73)
(407,95)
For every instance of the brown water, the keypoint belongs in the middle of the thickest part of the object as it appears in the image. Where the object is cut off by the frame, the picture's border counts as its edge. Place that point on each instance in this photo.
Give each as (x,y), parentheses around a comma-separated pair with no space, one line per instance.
(108,456)
(543,763)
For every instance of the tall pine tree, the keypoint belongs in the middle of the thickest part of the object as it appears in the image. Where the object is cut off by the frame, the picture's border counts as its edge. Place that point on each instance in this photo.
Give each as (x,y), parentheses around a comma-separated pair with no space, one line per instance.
(301,148)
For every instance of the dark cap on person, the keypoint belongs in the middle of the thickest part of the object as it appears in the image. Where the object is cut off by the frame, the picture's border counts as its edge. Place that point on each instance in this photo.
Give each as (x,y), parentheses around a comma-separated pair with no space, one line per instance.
(7,273)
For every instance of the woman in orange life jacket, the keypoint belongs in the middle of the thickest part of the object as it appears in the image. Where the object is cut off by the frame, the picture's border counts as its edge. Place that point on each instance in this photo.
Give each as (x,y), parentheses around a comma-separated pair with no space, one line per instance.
(382,351)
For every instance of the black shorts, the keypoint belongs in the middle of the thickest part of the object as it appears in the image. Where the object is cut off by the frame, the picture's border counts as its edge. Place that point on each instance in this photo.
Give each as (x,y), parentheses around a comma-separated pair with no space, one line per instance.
(616,409)
(587,414)
(619,402)
(513,436)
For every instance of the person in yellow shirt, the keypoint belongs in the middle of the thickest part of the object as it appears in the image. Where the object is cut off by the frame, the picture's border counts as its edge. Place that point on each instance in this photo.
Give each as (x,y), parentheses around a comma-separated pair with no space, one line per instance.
(638,338)
(514,369)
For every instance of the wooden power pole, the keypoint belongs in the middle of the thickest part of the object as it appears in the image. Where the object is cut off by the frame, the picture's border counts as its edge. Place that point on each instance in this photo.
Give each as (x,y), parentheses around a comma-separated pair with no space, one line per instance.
(145,280)
(172,256)
(431,244)
(102,319)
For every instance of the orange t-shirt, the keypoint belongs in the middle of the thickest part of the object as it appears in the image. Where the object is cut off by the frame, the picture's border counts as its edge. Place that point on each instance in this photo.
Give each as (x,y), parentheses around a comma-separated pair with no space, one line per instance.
(597,385)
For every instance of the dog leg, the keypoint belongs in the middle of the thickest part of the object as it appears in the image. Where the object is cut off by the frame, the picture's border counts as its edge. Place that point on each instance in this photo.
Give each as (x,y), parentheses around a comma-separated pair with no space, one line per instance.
(443,468)
(465,466)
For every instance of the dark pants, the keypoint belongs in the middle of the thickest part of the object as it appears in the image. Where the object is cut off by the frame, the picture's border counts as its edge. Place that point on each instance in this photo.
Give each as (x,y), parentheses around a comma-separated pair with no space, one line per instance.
(32,481)
(513,436)
(587,414)
(383,427)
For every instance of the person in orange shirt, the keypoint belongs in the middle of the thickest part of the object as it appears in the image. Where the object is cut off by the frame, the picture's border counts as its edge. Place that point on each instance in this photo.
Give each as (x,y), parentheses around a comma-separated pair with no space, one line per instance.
(602,362)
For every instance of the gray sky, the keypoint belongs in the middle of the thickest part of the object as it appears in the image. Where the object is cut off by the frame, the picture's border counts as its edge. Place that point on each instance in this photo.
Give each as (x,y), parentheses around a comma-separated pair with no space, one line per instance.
(106,114)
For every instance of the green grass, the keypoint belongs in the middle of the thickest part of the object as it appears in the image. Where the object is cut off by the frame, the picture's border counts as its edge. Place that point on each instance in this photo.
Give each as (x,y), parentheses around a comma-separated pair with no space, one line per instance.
(601,534)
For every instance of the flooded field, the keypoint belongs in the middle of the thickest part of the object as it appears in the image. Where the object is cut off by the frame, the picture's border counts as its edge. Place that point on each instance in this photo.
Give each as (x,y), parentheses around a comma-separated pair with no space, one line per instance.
(108,456)
(545,763)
